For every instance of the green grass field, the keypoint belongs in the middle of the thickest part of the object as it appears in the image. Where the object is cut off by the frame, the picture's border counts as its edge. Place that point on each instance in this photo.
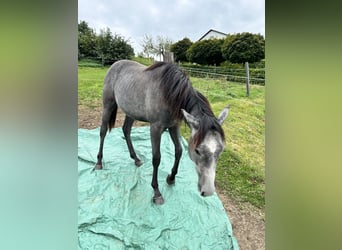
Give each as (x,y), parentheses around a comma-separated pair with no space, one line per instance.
(241,167)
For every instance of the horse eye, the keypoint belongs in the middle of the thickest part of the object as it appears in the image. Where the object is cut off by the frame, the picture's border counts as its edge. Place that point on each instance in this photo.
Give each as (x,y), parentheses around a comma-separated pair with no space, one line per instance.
(197,152)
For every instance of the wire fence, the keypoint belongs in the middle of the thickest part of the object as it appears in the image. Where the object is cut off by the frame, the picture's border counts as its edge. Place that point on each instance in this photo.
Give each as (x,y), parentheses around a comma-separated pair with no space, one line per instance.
(215,91)
(255,76)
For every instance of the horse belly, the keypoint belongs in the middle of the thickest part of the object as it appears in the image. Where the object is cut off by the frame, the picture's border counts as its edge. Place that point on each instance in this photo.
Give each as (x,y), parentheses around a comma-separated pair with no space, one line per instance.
(131,100)
(132,109)
(143,104)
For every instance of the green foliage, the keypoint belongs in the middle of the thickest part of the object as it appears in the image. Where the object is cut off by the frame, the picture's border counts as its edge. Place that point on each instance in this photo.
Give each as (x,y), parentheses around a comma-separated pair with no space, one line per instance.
(206,52)
(86,41)
(179,49)
(112,48)
(244,47)
(104,47)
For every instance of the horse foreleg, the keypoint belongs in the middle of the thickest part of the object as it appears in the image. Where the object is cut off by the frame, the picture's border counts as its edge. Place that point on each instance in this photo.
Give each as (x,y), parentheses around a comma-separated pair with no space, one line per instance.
(127,132)
(156,132)
(174,133)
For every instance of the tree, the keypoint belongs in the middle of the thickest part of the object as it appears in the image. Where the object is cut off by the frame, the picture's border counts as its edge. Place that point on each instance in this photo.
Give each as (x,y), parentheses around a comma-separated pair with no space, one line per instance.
(162,45)
(103,45)
(244,47)
(155,48)
(112,48)
(179,49)
(120,49)
(147,45)
(86,41)
(206,52)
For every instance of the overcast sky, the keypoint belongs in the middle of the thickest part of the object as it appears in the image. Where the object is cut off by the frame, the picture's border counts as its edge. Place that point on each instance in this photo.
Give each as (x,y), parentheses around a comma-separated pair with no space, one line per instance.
(174,19)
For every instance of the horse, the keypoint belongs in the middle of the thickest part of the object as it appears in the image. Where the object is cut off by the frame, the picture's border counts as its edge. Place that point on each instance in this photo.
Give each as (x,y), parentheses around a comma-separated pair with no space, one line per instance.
(162,95)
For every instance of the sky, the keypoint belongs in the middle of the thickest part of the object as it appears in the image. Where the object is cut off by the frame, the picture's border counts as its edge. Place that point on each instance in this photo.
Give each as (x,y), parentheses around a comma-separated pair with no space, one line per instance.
(175,19)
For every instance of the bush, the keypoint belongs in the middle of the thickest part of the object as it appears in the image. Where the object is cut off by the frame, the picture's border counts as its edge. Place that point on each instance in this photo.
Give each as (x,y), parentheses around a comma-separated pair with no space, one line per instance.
(244,47)
(179,49)
(86,41)
(206,52)
(104,47)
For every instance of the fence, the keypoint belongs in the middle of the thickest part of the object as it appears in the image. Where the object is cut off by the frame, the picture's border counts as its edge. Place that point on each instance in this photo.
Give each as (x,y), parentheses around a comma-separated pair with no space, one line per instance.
(255,76)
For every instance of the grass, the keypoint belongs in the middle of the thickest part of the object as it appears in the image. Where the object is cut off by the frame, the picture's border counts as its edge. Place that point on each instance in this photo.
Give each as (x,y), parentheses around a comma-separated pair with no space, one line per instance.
(90,82)
(89,63)
(142,60)
(241,167)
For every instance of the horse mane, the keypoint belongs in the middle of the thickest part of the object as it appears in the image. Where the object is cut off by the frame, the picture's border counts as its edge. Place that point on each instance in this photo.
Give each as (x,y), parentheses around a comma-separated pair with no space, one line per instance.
(179,94)
(176,87)
(208,122)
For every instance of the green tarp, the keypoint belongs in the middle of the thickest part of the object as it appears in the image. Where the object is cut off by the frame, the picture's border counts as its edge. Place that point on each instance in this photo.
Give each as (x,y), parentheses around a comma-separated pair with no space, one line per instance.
(115,204)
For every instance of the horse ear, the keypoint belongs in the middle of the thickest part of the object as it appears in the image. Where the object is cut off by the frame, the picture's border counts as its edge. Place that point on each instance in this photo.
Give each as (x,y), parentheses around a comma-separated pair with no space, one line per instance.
(191,120)
(223,115)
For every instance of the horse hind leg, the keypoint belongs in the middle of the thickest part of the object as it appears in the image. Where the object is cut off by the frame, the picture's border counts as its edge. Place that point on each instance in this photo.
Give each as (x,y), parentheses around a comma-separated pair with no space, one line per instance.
(108,121)
(127,133)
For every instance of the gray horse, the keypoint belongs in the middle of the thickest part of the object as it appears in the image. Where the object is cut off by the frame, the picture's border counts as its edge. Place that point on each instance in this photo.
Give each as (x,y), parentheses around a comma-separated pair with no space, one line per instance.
(163,95)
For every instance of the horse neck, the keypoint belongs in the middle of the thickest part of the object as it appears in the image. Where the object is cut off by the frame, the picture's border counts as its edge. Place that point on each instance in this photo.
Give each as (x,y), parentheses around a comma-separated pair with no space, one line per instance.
(197,110)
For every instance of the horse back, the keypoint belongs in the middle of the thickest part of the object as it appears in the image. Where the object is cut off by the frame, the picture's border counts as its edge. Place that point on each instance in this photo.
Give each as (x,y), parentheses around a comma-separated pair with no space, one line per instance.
(136,91)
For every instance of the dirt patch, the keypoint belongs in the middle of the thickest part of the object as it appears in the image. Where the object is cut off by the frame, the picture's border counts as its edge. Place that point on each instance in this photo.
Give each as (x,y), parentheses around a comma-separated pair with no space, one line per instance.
(247,221)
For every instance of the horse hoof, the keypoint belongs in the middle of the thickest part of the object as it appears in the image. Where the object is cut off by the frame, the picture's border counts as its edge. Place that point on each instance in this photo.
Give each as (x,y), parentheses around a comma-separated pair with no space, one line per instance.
(98,166)
(169,180)
(158,200)
(138,163)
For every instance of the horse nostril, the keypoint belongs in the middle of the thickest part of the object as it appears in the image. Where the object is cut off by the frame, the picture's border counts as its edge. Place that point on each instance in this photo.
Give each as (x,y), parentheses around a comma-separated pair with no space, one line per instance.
(203,194)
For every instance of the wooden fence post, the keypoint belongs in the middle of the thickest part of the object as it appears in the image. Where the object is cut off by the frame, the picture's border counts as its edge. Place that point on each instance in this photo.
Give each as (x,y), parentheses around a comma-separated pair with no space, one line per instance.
(247,78)
(168,56)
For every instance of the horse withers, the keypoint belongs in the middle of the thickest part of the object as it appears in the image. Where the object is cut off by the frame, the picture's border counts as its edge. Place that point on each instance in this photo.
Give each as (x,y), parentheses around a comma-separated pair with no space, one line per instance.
(162,95)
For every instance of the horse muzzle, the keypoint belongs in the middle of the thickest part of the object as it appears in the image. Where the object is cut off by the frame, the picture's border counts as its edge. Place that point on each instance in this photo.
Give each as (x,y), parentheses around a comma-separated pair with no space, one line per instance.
(204,194)
(206,190)
(206,180)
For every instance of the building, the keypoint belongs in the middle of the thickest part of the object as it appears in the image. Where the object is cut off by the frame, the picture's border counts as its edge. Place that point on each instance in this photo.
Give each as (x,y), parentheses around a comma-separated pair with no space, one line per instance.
(213,34)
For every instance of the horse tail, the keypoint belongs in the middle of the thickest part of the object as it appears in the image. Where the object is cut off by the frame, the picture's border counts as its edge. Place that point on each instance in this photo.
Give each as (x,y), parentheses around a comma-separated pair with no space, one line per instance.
(112,119)
(109,104)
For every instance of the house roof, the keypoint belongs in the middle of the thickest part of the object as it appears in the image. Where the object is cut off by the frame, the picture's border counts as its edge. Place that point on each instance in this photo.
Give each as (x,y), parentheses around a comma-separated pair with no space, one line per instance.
(213,31)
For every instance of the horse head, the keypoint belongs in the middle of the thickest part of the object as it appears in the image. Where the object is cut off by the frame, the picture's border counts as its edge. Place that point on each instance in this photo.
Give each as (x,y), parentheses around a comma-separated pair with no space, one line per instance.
(205,146)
